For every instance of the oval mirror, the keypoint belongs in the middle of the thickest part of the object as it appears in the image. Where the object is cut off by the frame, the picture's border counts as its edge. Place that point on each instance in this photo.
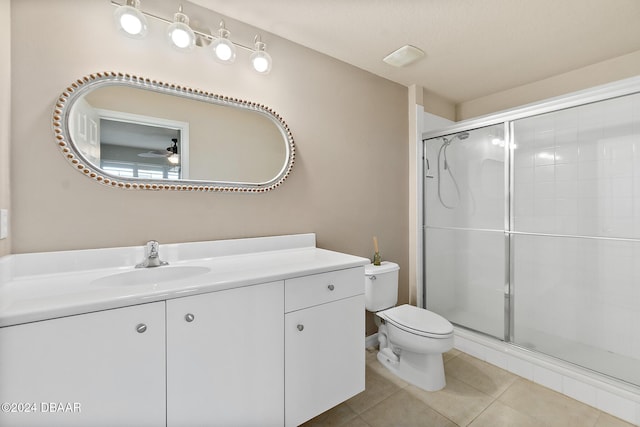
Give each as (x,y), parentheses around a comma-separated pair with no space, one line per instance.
(136,133)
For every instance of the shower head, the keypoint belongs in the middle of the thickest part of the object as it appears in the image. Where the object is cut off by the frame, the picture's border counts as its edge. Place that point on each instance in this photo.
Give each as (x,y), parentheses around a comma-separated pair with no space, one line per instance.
(461,136)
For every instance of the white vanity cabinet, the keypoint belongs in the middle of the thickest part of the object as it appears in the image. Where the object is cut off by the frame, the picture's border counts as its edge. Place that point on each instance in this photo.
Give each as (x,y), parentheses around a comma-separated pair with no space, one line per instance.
(324,342)
(260,332)
(95,369)
(225,358)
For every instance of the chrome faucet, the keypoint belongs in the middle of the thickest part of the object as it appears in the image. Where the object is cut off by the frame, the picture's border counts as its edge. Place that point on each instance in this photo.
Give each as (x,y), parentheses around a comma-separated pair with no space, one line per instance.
(151,256)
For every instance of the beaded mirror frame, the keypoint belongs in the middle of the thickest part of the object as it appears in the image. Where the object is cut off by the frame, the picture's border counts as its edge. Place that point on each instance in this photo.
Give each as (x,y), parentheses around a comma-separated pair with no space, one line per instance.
(82,86)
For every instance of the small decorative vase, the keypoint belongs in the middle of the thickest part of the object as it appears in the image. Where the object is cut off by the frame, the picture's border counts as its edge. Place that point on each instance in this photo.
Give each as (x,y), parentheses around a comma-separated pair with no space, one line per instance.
(376,258)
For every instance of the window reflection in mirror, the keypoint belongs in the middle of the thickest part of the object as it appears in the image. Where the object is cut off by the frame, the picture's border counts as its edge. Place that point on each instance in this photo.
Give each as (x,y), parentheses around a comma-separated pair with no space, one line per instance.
(140,151)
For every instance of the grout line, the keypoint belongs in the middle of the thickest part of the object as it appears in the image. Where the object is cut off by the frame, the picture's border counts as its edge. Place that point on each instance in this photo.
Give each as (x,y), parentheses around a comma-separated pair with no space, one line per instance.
(431,407)
(472,386)
(377,403)
(441,414)
(519,378)
(508,387)
(361,419)
(482,412)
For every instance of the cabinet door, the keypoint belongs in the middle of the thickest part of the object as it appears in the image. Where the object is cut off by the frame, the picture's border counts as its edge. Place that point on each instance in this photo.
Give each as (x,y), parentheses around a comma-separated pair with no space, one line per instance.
(324,357)
(225,358)
(96,369)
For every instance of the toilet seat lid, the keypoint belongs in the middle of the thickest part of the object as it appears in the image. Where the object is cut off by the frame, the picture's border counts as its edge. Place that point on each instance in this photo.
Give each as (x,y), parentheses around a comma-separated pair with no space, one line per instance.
(419,321)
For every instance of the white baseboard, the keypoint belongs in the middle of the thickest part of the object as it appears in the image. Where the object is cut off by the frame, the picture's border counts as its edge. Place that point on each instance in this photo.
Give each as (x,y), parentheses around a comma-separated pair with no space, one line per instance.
(371,341)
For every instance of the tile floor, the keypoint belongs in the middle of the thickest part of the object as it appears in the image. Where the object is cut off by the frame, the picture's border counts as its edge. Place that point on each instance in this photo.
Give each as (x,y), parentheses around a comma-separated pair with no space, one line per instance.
(477,395)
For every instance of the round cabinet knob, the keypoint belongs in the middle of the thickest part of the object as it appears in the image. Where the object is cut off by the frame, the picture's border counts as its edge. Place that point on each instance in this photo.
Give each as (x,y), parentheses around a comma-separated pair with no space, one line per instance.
(189,317)
(331,287)
(141,328)
(300,328)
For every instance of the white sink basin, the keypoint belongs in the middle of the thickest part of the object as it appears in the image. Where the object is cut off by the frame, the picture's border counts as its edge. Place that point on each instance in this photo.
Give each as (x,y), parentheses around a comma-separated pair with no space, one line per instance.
(151,276)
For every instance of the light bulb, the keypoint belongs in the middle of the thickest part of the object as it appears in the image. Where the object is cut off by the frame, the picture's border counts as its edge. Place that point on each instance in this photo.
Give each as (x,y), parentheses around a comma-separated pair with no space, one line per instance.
(131,24)
(260,63)
(260,60)
(224,50)
(130,21)
(180,35)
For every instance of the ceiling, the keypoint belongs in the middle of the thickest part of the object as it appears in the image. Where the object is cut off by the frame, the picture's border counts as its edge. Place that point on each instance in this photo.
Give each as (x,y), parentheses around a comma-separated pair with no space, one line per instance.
(473,47)
(136,135)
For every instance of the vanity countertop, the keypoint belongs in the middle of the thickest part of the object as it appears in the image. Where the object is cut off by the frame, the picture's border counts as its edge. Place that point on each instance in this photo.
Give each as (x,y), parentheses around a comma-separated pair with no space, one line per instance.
(43,286)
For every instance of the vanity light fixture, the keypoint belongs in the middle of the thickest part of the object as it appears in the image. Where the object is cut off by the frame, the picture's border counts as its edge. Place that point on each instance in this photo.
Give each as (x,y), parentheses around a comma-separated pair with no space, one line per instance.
(179,33)
(260,59)
(131,20)
(224,50)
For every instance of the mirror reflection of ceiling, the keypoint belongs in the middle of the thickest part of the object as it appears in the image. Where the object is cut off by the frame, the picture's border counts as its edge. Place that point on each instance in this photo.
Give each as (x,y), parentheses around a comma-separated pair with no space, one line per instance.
(136,135)
(473,48)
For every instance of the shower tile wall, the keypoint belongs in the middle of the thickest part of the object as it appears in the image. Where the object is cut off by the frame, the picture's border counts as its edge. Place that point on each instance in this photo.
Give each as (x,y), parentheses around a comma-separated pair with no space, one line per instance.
(577,173)
(578,170)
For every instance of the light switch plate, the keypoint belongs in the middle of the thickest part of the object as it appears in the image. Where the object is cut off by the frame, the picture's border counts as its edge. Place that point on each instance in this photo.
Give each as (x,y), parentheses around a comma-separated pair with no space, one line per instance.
(4,223)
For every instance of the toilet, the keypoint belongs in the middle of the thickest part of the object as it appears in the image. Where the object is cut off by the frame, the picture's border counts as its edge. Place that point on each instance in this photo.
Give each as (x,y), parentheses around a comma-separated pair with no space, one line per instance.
(411,339)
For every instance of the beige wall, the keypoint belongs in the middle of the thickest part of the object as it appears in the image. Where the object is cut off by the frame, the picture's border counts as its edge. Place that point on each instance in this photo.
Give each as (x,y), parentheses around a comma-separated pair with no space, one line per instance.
(593,75)
(349,181)
(5,111)
(435,104)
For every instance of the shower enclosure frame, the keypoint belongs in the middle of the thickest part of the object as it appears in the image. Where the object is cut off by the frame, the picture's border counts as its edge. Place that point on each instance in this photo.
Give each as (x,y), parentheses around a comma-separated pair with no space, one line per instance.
(507,119)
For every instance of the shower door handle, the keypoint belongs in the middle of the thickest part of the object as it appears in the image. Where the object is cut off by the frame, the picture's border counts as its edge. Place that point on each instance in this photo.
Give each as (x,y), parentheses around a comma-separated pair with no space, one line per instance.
(426,161)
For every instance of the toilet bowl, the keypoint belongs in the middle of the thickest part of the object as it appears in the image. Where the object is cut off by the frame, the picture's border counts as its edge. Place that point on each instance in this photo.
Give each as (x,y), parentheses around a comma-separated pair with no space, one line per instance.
(411,339)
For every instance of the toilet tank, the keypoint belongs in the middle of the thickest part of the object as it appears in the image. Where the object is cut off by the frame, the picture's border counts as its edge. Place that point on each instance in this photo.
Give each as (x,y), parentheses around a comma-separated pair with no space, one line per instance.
(381,285)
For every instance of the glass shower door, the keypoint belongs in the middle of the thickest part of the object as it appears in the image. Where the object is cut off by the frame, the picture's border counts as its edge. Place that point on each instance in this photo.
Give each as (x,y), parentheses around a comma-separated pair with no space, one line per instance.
(576,235)
(465,241)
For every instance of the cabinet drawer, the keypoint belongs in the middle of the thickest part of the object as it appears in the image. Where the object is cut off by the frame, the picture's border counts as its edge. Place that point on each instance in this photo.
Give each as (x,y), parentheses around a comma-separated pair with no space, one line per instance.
(317,289)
